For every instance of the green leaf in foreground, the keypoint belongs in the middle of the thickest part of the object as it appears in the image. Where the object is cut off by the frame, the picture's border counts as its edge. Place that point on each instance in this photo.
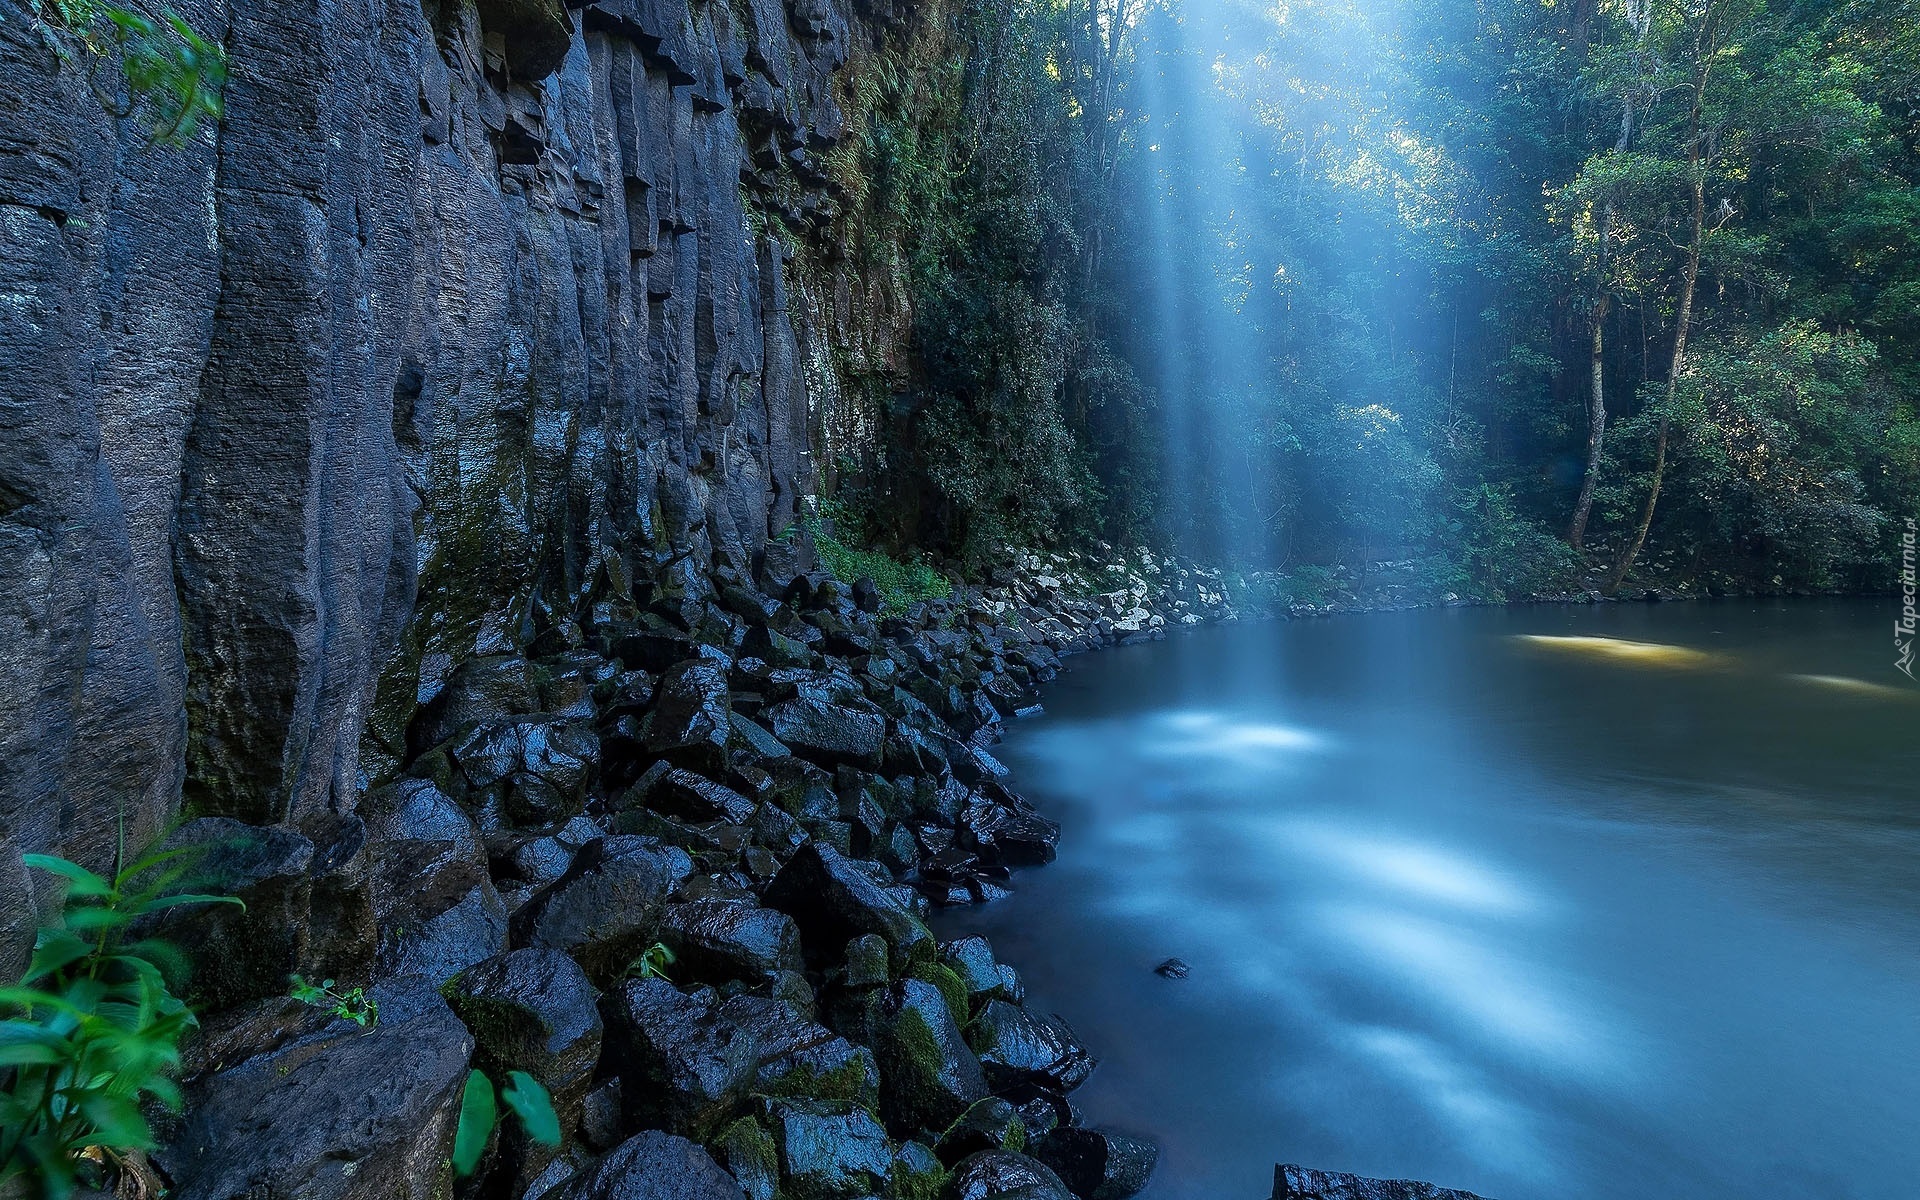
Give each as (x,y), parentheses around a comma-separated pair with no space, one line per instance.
(478,1114)
(532,1103)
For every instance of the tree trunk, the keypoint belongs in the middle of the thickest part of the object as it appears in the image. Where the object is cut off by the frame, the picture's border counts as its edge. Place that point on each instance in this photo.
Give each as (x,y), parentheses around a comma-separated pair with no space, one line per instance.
(1705,43)
(1596,430)
(1642,18)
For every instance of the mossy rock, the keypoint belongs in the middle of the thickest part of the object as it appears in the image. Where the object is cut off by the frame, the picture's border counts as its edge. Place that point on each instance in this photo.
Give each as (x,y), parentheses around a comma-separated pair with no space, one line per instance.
(928,1076)
(952,989)
(917,1174)
(748,1152)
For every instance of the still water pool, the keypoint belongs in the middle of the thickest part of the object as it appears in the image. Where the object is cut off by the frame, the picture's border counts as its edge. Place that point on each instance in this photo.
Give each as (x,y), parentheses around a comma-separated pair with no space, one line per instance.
(1594,903)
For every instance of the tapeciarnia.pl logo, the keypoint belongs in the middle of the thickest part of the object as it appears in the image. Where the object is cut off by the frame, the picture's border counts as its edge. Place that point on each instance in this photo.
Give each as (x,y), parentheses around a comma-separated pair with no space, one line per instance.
(1904,628)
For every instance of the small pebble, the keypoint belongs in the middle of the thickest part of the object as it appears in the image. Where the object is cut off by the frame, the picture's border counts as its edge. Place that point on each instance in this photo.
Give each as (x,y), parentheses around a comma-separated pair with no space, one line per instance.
(1173,968)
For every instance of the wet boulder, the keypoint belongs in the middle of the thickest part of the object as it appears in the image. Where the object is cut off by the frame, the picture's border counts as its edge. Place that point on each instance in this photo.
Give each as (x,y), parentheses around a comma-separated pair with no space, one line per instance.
(718,940)
(478,691)
(829,1151)
(532,1011)
(655,650)
(338,1114)
(747,1151)
(681,793)
(691,716)
(801,1058)
(776,648)
(538,768)
(989,1124)
(654,1166)
(1006,836)
(606,909)
(434,901)
(1004,1175)
(682,1063)
(1098,1164)
(242,954)
(757,738)
(1303,1183)
(833,900)
(971,959)
(928,1076)
(916,1173)
(1019,1047)
(829,732)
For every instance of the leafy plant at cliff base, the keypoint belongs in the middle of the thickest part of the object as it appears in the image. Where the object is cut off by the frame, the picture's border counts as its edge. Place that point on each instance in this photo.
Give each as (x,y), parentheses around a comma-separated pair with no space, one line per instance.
(92,1031)
(167,70)
(525,1098)
(351,1005)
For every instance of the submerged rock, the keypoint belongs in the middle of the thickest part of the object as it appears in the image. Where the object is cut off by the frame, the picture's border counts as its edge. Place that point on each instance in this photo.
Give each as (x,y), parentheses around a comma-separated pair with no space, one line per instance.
(1097,1164)
(1304,1183)
(1173,968)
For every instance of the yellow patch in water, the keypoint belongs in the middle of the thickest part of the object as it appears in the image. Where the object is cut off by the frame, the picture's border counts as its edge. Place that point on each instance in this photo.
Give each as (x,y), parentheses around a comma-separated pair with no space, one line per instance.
(1646,654)
(1859,687)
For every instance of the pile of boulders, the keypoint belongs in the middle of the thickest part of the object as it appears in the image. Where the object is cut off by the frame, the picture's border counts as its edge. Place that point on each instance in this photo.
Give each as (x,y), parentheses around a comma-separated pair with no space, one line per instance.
(775,781)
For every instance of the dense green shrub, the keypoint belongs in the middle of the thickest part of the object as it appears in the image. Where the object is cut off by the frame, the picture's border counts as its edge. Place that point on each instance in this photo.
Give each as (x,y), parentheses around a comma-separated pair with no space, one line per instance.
(92,1031)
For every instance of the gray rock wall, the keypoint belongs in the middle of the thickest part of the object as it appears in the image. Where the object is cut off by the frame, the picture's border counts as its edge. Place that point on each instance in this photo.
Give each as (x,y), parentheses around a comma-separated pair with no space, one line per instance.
(466,318)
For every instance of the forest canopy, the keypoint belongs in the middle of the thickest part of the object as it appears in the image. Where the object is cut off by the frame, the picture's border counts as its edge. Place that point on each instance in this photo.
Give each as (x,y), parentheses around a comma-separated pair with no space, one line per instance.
(1538,293)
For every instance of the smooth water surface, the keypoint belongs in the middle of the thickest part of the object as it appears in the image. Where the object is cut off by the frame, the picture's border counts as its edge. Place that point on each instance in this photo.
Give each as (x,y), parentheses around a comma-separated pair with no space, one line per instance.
(1594,903)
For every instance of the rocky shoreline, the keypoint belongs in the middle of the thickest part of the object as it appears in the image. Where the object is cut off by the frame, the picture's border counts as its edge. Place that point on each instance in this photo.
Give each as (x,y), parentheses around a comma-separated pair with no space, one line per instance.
(775,780)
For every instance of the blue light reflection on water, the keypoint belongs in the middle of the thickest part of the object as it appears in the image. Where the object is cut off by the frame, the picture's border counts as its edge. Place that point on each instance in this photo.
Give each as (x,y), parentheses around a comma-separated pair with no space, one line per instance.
(1464,909)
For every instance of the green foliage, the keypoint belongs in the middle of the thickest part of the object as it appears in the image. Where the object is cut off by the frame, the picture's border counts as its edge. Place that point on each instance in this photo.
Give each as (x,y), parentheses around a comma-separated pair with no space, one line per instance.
(652,963)
(1491,552)
(962,176)
(1767,484)
(92,1031)
(1368,308)
(901,584)
(353,1004)
(525,1097)
(167,73)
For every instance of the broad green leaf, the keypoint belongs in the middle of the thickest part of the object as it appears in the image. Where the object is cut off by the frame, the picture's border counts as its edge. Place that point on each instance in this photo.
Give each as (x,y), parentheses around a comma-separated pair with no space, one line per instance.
(116,1121)
(533,1104)
(54,949)
(478,1113)
(82,881)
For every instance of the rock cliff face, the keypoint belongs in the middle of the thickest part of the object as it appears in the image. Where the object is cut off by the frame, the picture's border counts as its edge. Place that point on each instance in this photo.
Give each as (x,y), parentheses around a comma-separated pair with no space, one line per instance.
(467,317)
